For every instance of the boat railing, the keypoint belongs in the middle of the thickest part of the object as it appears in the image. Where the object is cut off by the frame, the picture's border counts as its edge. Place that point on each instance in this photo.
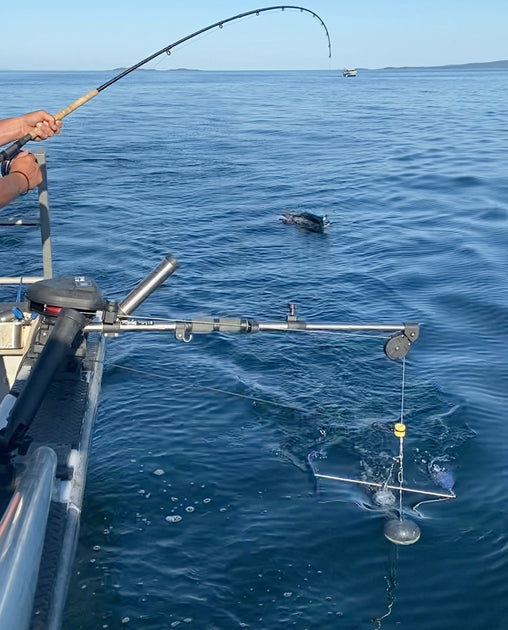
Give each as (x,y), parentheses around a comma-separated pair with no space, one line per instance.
(22,532)
(44,224)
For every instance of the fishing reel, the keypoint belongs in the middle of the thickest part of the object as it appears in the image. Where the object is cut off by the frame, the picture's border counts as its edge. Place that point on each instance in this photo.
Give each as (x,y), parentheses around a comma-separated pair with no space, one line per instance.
(5,167)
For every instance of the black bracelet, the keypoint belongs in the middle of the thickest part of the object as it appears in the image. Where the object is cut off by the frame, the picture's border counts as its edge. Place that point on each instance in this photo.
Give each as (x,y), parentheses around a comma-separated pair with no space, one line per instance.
(27,180)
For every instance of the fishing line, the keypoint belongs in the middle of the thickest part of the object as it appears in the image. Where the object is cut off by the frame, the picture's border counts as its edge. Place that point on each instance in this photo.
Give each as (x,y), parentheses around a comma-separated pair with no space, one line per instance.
(391,587)
(403,388)
(452,495)
(13,149)
(209,388)
(402,435)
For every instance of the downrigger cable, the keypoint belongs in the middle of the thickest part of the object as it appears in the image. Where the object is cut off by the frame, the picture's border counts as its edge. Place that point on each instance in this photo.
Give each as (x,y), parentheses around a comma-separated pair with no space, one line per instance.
(13,149)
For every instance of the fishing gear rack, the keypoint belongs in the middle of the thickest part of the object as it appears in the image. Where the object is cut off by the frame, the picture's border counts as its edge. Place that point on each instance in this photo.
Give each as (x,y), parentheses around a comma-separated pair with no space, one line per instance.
(116,318)
(71,306)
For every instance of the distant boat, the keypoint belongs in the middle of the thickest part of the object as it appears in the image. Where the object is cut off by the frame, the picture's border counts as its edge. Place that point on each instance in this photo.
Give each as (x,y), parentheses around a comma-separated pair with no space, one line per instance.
(349,72)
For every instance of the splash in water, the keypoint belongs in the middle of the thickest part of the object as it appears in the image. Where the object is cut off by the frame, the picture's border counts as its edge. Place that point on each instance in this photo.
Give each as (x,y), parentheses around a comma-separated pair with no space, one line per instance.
(441,475)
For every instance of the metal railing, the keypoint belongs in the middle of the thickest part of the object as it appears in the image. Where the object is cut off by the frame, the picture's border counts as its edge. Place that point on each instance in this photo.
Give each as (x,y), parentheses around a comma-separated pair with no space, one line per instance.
(22,532)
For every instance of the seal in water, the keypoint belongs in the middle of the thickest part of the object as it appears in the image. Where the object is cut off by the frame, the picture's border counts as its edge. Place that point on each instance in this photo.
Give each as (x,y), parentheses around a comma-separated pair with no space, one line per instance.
(305,221)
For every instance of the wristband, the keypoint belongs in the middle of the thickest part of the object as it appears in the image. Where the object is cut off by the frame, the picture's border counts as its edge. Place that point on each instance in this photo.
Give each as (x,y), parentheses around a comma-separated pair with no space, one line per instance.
(27,180)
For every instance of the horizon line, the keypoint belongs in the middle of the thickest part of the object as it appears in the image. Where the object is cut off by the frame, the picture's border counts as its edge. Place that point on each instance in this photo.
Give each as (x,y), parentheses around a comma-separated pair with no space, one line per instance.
(477,64)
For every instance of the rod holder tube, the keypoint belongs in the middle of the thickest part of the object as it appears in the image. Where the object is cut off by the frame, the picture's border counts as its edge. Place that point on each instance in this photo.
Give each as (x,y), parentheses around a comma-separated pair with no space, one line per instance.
(147,286)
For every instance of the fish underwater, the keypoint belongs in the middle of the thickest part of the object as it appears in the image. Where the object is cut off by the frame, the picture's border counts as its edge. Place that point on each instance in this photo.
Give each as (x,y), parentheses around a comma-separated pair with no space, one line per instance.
(305,221)
(440,475)
(384,498)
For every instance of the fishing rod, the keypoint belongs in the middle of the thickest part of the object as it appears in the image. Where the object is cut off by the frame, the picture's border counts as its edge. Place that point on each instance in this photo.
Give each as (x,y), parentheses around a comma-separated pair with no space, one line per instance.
(15,147)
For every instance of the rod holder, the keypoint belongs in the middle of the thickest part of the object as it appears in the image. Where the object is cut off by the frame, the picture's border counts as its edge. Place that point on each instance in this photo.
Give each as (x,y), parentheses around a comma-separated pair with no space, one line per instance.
(147,286)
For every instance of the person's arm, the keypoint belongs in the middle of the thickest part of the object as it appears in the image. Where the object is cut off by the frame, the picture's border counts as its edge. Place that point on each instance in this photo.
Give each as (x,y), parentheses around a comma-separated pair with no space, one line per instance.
(23,176)
(43,124)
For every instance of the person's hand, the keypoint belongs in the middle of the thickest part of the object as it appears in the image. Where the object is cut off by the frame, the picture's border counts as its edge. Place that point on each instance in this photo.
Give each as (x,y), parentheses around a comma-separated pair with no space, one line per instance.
(26,167)
(41,123)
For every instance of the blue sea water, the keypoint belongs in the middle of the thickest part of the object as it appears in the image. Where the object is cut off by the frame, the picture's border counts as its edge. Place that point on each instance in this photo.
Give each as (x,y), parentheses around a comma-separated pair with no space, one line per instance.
(201,509)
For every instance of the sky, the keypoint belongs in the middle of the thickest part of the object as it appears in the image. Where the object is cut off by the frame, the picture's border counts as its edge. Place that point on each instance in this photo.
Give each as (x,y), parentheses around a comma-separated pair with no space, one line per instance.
(107,34)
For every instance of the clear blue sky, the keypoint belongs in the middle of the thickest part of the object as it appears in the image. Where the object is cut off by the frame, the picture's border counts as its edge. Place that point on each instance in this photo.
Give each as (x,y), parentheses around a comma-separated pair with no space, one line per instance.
(105,34)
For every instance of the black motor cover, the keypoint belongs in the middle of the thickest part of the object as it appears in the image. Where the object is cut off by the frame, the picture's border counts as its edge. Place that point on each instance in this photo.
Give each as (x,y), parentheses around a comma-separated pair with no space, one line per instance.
(76,292)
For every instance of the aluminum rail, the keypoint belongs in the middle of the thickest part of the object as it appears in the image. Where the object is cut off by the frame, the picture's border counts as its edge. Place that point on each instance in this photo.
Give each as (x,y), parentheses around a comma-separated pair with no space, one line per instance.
(206,325)
(396,347)
(375,484)
(20,279)
(387,328)
(22,532)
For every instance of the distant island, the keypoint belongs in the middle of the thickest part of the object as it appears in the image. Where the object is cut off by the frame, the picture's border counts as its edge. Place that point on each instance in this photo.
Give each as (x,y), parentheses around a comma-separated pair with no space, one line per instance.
(478,65)
(481,65)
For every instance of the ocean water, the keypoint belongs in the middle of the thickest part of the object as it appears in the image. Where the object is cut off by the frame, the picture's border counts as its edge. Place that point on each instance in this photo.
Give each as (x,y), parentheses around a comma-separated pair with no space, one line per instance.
(201,508)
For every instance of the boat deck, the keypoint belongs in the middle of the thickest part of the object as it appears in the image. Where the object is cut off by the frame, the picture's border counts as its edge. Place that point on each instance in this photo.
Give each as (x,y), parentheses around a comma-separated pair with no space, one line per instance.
(62,423)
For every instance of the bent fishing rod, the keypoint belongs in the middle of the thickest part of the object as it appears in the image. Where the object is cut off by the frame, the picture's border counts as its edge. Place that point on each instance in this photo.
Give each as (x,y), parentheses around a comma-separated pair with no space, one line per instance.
(15,147)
